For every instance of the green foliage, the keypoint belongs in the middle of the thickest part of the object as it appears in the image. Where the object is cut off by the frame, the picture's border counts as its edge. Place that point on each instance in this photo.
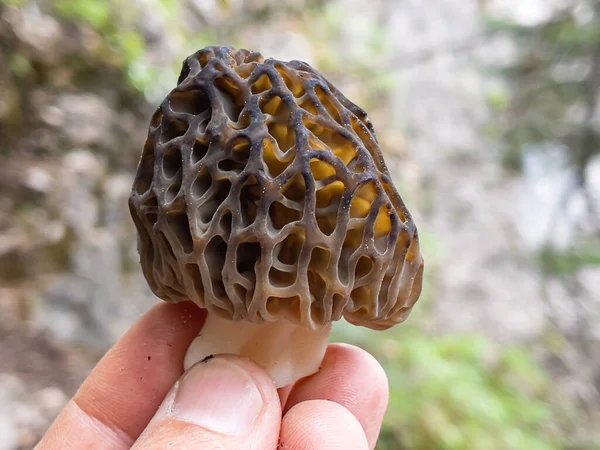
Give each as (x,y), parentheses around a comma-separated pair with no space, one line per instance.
(324,26)
(19,65)
(457,392)
(568,262)
(97,13)
(460,392)
(109,18)
(555,84)
(499,100)
(124,45)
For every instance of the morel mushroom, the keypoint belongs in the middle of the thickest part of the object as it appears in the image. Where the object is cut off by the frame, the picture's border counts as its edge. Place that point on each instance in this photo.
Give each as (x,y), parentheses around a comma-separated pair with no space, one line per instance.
(262,195)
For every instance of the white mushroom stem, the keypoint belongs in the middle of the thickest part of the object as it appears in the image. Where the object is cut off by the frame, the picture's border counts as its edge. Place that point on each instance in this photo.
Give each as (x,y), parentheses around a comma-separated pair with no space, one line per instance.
(286,351)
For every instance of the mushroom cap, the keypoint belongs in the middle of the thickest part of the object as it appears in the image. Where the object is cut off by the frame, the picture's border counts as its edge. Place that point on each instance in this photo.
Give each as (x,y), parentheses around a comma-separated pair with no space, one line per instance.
(262,194)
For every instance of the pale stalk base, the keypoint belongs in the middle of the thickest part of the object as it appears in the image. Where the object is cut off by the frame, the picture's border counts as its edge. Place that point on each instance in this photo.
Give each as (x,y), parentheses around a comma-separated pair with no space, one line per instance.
(286,351)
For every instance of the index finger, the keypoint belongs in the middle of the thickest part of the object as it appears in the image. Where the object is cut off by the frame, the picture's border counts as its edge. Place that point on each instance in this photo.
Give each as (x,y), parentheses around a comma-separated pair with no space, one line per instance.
(352,378)
(123,392)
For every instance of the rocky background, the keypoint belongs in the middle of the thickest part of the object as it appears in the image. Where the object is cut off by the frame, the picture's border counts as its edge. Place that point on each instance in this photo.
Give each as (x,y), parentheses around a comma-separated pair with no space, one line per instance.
(489,114)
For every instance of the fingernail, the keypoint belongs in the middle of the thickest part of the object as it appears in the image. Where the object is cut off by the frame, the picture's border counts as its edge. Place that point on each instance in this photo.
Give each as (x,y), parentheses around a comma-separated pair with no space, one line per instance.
(220,396)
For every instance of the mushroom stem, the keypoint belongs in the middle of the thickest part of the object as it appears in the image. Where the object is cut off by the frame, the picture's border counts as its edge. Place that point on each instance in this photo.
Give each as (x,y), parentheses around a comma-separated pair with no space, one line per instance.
(286,351)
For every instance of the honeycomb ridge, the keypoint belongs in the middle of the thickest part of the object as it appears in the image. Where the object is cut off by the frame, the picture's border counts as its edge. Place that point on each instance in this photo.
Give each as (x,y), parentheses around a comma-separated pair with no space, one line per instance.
(262,194)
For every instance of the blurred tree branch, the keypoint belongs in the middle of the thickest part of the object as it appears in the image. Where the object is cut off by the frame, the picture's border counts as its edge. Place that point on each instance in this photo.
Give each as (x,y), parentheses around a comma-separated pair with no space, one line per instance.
(556,87)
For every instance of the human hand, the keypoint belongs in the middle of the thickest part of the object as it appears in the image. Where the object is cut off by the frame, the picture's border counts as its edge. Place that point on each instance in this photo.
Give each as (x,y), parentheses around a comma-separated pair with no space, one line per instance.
(137,397)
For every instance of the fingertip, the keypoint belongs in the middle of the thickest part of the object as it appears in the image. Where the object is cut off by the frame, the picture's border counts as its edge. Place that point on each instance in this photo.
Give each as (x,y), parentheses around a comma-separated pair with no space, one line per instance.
(361,360)
(259,376)
(353,378)
(221,402)
(321,424)
(243,396)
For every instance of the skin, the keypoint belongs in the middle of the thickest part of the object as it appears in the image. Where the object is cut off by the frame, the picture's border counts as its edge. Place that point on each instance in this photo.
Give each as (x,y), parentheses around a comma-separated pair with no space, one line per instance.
(133,398)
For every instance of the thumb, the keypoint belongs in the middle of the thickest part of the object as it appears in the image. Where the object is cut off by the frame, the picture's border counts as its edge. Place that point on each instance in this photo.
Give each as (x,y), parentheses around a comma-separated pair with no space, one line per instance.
(224,402)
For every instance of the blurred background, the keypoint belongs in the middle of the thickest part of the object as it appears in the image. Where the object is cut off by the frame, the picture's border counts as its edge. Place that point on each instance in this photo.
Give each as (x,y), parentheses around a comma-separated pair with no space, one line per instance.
(489,112)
